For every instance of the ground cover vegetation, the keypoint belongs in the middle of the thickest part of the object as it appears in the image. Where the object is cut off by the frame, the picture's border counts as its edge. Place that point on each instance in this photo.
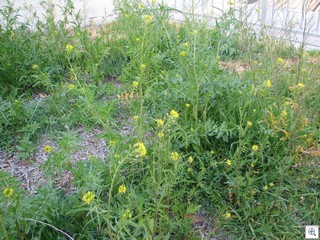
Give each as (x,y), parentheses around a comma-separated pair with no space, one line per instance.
(241,146)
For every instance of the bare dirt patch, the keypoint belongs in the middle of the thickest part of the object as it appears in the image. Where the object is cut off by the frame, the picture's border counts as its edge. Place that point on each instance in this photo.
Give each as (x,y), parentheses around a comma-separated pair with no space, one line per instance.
(30,172)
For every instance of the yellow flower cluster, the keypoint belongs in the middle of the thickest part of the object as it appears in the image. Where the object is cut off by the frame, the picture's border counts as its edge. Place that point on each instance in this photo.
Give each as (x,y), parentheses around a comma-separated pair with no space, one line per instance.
(266,187)
(284,113)
(143,66)
(141,149)
(47,149)
(148,18)
(280,60)
(228,162)
(174,114)
(8,192)
(174,156)
(297,87)
(183,54)
(122,189)
(135,84)
(255,148)
(160,122)
(127,214)
(268,83)
(69,48)
(88,197)
(71,86)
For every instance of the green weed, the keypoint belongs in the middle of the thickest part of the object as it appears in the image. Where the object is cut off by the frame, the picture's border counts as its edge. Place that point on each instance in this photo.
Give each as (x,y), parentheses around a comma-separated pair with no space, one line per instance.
(240,146)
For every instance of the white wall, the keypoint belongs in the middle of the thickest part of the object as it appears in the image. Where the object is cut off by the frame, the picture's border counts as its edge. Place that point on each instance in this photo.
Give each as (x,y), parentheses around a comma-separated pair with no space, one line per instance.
(96,10)
(103,11)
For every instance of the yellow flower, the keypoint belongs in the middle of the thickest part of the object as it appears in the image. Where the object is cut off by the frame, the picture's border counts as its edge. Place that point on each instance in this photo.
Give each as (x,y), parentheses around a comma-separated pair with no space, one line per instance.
(301,85)
(284,113)
(249,124)
(148,18)
(255,148)
(71,86)
(187,105)
(174,156)
(212,152)
(160,134)
(8,192)
(135,84)
(268,83)
(138,39)
(228,162)
(88,197)
(230,3)
(143,66)
(271,184)
(135,117)
(112,143)
(141,149)
(265,188)
(69,48)
(47,149)
(190,159)
(122,189)
(280,60)
(174,114)
(141,6)
(35,66)
(227,215)
(127,214)
(186,44)
(160,122)
(183,54)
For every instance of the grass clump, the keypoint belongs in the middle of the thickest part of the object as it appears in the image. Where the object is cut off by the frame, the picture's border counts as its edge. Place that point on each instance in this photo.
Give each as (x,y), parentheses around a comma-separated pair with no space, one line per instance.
(240,145)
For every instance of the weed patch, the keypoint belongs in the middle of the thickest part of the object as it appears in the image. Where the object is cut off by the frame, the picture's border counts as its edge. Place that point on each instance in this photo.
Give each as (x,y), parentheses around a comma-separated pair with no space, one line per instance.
(189,130)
